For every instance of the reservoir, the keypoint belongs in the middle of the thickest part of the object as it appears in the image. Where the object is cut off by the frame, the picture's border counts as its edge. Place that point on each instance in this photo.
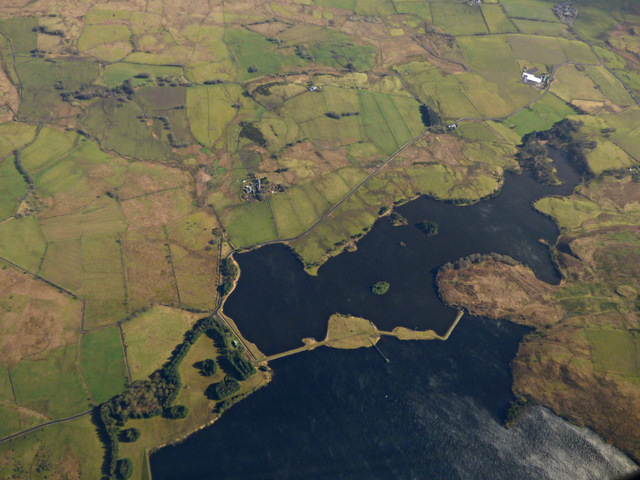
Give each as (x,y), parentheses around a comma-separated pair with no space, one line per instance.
(276,303)
(433,412)
(436,410)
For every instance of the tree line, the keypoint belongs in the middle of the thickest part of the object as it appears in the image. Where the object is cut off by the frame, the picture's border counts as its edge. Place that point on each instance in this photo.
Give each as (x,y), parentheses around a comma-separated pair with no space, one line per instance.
(229,273)
(156,395)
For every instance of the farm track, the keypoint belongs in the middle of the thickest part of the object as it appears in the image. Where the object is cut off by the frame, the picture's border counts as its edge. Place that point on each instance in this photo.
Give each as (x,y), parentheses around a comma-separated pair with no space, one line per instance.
(47,424)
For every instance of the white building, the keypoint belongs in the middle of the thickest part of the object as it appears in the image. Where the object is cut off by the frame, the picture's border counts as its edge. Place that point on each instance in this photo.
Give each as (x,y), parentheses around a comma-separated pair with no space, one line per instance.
(527,77)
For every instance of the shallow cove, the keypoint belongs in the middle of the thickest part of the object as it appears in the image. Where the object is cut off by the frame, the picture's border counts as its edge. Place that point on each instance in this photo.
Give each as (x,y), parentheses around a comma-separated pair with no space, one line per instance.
(276,304)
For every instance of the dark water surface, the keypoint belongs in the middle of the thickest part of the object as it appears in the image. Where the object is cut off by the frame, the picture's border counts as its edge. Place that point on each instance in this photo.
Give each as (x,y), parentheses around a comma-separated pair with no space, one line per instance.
(432,412)
(436,410)
(276,303)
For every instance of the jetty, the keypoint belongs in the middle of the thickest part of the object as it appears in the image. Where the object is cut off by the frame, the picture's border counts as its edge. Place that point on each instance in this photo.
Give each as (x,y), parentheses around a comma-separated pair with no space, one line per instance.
(378,349)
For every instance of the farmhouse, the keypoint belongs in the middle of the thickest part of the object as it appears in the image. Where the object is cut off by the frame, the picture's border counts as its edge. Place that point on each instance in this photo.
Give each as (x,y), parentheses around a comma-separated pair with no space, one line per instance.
(528,77)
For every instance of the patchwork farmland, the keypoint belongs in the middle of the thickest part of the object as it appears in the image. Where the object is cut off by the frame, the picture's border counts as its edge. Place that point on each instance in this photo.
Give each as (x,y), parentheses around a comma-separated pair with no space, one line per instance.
(143,142)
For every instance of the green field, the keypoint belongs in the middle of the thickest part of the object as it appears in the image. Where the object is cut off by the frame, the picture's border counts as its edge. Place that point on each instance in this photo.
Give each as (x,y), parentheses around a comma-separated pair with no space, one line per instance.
(328,131)
(375,124)
(151,336)
(9,419)
(537,49)
(610,87)
(458,18)
(20,31)
(115,74)
(22,242)
(418,9)
(340,55)
(252,50)
(493,59)
(534,27)
(279,131)
(209,110)
(615,351)
(51,384)
(568,213)
(118,126)
(14,135)
(101,217)
(307,106)
(39,78)
(439,91)
(571,84)
(374,7)
(285,216)
(103,280)
(539,116)
(102,363)
(529,9)
(497,20)
(106,42)
(250,224)
(48,148)
(608,156)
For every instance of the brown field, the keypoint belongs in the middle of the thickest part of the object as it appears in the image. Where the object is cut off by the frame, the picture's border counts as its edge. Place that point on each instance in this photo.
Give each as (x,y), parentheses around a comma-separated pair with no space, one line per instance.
(34,317)
(155,209)
(397,50)
(149,273)
(443,52)
(362,29)
(595,107)
(624,39)
(8,97)
(443,149)
(197,277)
(143,178)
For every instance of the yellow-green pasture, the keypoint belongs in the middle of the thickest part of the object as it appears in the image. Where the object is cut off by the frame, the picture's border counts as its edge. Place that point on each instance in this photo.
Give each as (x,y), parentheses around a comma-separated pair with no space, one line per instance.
(70,449)
(615,351)
(151,336)
(102,363)
(210,110)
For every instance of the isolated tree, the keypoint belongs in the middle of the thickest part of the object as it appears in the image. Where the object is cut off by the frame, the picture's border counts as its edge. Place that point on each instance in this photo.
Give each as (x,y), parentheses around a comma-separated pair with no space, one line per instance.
(129,435)
(208,367)
(176,412)
(124,469)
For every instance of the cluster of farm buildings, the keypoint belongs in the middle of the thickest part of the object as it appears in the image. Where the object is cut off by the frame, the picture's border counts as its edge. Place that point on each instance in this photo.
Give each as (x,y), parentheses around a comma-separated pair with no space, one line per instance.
(529,77)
